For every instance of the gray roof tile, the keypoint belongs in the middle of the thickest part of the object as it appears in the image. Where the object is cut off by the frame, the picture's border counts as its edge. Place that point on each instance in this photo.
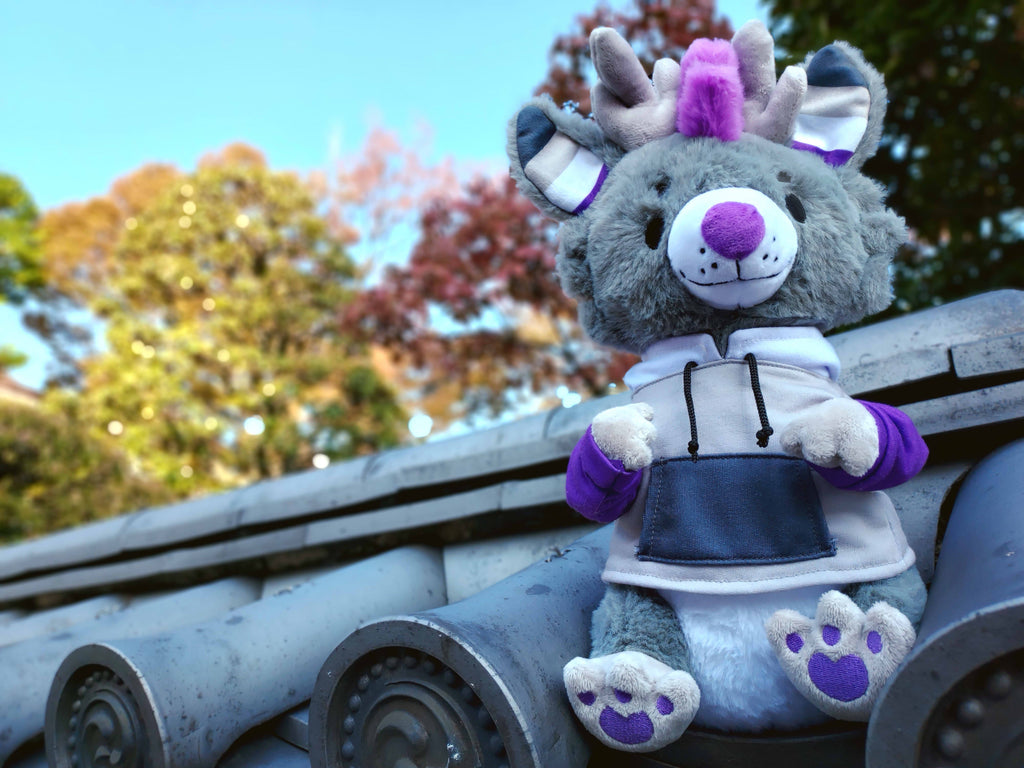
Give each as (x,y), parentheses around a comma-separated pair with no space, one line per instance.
(1002,354)
(58,619)
(90,541)
(476,565)
(205,685)
(980,407)
(30,666)
(916,346)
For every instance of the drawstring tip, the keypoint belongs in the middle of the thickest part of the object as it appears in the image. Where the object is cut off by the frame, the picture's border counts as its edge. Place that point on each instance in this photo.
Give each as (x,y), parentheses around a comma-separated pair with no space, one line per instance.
(766,430)
(692,447)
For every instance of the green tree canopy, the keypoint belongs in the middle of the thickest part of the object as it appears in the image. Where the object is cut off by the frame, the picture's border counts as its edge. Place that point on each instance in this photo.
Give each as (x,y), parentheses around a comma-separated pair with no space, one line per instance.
(19,253)
(953,151)
(53,475)
(19,241)
(224,362)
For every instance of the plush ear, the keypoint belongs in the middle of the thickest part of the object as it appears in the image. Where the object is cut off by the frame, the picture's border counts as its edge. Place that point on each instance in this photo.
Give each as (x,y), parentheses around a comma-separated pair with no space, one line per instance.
(842,113)
(559,159)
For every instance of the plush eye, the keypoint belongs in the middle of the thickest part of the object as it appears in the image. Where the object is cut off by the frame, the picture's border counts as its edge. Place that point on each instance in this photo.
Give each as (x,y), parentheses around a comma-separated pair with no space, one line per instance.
(655,227)
(796,208)
(661,186)
(784,177)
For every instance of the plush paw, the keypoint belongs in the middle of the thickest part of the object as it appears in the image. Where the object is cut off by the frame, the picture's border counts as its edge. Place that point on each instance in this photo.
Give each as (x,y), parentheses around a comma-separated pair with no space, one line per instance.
(626,433)
(840,660)
(631,701)
(837,433)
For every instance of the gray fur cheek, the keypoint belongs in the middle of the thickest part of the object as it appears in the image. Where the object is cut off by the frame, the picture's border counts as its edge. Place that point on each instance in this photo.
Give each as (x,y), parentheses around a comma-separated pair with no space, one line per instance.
(882,233)
(571,262)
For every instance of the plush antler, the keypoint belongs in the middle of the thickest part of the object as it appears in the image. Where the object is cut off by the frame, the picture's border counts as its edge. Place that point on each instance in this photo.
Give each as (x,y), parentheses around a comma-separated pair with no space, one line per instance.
(630,108)
(769,109)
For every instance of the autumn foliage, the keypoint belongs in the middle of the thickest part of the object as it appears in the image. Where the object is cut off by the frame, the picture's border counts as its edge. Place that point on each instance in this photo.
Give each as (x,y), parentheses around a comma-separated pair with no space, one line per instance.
(655,28)
(477,316)
(476,322)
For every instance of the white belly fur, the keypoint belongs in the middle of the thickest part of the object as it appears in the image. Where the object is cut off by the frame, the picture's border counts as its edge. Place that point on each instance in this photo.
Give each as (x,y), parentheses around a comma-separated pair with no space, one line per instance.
(742,686)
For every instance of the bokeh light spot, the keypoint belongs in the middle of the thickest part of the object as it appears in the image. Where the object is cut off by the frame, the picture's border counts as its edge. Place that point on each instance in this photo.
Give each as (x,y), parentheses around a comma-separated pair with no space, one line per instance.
(254,425)
(420,425)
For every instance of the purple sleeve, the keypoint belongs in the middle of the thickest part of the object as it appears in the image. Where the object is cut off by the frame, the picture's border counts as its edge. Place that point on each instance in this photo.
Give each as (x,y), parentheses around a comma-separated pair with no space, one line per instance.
(597,487)
(901,453)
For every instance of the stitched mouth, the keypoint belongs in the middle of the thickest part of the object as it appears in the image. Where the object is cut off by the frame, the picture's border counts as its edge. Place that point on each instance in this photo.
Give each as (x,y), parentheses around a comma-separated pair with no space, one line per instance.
(728,282)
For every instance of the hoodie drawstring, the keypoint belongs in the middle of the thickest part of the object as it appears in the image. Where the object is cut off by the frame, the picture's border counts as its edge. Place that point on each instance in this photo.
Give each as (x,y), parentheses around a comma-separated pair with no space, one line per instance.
(761,435)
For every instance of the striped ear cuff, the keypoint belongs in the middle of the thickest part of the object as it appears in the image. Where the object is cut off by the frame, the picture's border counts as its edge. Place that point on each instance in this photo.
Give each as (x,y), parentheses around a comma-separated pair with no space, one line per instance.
(568,175)
(834,115)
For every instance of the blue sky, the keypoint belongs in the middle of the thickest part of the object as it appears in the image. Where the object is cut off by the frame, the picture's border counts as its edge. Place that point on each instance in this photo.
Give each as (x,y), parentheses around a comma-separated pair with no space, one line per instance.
(92,90)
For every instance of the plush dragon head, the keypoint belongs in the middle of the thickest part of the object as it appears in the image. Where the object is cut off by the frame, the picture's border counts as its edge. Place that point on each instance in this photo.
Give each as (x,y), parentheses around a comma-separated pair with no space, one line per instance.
(711,196)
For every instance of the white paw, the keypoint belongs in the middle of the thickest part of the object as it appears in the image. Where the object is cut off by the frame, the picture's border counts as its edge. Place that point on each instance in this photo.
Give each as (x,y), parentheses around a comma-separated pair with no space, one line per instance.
(841,659)
(836,433)
(625,434)
(630,701)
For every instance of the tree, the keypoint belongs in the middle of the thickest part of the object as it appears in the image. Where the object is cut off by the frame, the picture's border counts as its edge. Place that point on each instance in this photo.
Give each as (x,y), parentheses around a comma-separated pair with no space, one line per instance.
(952,155)
(19,253)
(78,243)
(19,242)
(376,192)
(476,318)
(223,363)
(53,475)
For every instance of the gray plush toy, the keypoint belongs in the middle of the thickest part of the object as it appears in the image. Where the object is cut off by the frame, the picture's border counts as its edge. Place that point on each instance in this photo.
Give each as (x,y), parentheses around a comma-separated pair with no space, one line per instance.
(716,222)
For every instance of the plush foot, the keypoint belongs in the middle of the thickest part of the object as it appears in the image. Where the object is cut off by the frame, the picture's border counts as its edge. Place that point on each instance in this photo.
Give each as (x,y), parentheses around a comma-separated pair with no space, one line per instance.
(630,701)
(841,659)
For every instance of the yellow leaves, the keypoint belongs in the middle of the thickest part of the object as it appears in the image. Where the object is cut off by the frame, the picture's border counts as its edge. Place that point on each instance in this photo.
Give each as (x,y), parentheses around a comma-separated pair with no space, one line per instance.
(79,240)
(137,190)
(535,328)
(237,155)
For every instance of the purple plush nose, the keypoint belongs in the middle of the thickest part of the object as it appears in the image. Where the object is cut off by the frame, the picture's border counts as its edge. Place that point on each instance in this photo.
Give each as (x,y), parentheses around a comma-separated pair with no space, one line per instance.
(733,229)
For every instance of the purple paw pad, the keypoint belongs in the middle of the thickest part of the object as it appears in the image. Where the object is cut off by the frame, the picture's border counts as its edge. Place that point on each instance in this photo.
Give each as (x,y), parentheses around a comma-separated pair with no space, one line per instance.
(843,680)
(587,697)
(874,642)
(830,634)
(635,729)
(665,705)
(794,642)
(623,697)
